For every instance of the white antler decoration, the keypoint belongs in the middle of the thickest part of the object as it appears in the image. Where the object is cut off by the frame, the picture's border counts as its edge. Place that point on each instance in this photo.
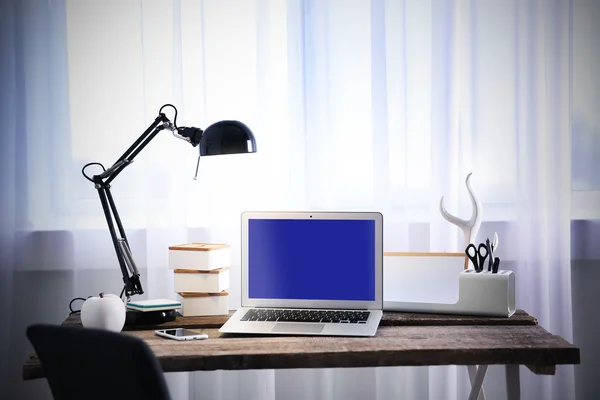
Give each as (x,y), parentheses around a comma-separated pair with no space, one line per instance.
(469,227)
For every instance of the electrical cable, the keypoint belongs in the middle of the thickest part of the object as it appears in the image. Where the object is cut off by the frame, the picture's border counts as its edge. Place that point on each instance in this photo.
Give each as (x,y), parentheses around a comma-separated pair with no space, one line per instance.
(88,165)
(71,305)
(174,118)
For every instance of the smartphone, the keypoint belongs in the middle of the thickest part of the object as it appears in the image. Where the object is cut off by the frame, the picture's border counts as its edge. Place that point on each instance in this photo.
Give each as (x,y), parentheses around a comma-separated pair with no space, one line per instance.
(181,334)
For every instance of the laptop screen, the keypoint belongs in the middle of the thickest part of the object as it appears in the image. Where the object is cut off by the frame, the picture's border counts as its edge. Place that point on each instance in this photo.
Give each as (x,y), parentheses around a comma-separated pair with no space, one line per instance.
(312,259)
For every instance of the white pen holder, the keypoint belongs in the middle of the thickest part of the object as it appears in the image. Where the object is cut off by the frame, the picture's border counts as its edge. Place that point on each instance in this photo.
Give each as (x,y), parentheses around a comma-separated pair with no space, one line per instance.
(480,293)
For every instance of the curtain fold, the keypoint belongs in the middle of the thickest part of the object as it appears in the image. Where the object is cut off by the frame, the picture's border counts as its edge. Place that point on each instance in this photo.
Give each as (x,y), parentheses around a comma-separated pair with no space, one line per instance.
(371,105)
(544,151)
(8,156)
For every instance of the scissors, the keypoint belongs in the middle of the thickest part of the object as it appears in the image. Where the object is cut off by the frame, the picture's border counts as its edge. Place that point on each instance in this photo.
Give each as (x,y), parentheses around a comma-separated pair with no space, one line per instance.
(478,255)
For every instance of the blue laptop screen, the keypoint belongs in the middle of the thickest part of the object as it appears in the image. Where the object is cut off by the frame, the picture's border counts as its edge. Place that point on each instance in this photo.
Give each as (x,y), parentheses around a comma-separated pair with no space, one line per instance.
(311,259)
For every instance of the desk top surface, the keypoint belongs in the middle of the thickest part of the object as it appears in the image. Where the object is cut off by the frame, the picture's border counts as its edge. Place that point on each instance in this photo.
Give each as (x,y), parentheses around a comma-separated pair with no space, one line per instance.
(389,318)
(403,339)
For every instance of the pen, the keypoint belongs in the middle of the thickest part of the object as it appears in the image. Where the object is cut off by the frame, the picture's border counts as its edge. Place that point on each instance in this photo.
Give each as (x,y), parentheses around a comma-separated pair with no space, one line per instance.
(490,250)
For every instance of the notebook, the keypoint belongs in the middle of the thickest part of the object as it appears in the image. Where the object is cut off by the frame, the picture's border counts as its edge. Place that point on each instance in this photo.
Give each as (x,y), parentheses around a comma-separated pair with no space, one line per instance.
(310,273)
(153,305)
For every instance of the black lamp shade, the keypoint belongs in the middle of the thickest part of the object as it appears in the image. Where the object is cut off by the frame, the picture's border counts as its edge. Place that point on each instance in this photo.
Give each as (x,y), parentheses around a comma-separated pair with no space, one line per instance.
(227,137)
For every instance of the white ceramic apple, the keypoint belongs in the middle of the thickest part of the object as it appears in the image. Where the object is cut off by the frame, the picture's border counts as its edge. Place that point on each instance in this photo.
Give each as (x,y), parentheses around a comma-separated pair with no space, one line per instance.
(106,311)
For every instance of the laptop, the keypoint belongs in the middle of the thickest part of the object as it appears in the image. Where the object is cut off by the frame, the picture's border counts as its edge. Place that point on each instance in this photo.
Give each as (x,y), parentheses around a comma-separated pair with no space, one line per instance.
(310,273)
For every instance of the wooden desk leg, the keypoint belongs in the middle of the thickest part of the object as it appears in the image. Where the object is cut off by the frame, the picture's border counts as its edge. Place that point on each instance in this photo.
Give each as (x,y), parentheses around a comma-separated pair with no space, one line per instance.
(476,384)
(513,382)
(472,369)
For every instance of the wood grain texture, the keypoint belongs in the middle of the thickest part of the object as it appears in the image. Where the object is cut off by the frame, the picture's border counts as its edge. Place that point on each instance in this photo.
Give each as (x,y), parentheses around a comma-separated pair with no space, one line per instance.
(195,271)
(392,346)
(389,319)
(199,246)
(403,339)
(542,369)
(188,295)
(421,254)
(182,322)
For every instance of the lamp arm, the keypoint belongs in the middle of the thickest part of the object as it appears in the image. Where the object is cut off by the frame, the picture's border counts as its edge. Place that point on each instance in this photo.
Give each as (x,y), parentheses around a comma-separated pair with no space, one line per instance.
(161,122)
(129,270)
(225,137)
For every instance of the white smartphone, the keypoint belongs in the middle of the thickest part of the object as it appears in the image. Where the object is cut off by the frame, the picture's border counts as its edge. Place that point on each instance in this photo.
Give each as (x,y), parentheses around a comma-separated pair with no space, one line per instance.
(181,334)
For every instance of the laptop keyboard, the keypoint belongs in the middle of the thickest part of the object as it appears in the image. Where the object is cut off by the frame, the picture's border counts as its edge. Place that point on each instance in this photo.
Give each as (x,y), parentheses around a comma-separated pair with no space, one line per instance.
(321,316)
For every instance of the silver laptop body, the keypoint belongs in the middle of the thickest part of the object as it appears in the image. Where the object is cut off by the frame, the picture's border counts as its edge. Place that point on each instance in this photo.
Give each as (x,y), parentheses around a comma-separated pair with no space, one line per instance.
(324,269)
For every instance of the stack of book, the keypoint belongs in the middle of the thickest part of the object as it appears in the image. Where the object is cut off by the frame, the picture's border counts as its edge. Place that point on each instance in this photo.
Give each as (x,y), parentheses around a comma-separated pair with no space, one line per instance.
(201,277)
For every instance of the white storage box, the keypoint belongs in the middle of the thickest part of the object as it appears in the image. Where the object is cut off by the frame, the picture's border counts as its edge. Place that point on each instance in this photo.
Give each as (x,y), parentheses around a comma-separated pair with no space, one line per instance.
(439,283)
(199,256)
(195,281)
(204,304)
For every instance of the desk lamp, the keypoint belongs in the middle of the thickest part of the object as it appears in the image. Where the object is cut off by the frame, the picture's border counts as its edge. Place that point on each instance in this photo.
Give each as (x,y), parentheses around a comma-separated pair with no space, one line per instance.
(224,137)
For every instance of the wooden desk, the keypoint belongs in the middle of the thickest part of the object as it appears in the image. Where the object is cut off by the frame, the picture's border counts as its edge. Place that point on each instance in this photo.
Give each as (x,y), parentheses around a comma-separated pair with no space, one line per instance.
(403,339)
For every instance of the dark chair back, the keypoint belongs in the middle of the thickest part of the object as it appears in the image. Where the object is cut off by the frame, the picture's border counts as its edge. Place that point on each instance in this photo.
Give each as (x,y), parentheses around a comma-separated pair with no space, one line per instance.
(82,363)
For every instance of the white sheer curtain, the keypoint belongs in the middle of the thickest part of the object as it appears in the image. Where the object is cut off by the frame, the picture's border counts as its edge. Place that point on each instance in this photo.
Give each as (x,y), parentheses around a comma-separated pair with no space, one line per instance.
(383,105)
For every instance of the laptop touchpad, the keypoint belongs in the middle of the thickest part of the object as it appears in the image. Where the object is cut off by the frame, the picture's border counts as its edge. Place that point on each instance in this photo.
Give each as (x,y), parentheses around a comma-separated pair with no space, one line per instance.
(298,328)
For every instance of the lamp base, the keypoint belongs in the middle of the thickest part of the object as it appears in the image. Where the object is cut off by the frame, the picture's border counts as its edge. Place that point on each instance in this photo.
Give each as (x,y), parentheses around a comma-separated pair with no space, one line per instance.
(138,318)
